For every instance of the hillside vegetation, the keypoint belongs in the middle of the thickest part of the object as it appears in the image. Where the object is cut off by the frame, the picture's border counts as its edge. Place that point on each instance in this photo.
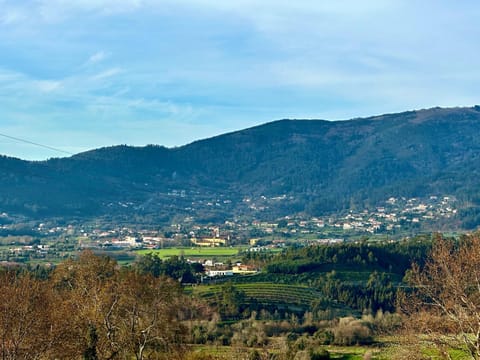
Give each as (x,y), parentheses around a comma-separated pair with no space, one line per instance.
(91,308)
(320,166)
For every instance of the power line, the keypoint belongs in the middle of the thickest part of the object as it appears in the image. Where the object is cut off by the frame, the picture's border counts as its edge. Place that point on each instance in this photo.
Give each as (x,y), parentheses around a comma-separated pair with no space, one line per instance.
(36,144)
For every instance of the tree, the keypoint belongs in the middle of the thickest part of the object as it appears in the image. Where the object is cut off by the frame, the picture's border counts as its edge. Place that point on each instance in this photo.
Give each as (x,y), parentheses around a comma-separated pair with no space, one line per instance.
(88,288)
(33,323)
(444,298)
(90,308)
(175,267)
(119,313)
(148,321)
(232,299)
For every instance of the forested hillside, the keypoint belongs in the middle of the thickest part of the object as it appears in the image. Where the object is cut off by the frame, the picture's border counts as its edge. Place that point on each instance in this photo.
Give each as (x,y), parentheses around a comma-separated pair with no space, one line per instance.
(320,166)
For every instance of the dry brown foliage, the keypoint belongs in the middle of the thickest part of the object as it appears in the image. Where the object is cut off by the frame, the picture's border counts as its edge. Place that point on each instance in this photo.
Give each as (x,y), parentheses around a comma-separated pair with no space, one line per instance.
(90,309)
(444,300)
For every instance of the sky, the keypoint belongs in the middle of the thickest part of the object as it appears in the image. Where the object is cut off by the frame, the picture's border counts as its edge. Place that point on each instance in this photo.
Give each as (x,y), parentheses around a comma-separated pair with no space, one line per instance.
(82,74)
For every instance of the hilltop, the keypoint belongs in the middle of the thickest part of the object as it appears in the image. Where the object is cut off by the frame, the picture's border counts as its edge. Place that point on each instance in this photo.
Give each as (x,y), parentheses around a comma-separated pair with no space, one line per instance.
(315,167)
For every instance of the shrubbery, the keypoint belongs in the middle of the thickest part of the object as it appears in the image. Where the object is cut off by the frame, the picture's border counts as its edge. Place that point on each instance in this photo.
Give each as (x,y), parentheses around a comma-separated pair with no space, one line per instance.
(350,331)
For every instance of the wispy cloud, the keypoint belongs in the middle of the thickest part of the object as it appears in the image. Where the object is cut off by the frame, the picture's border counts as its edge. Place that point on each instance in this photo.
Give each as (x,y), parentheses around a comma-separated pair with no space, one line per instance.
(85,108)
(12,16)
(96,58)
(48,85)
(61,10)
(107,74)
(207,66)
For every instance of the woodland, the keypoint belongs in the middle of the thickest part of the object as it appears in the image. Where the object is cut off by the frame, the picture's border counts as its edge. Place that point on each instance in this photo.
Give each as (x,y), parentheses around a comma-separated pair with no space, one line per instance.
(323,302)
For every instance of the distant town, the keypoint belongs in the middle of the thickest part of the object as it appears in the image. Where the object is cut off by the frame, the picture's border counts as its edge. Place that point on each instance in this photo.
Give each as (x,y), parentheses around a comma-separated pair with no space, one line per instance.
(26,241)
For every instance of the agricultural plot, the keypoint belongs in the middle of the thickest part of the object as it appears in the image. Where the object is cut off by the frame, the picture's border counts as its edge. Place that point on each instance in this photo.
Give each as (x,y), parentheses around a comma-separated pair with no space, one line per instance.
(195,252)
(336,352)
(265,293)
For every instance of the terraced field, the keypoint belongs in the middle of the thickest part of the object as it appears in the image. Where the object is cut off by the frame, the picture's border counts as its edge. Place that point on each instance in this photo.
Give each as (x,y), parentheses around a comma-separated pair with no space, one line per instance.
(265,293)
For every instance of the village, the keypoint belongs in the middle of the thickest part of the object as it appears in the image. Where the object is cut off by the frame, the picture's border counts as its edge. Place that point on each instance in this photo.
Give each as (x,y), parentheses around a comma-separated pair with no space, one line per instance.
(394,219)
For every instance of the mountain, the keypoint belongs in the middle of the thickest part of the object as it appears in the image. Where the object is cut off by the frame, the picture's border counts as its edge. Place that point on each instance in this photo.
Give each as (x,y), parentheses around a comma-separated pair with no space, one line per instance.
(314,166)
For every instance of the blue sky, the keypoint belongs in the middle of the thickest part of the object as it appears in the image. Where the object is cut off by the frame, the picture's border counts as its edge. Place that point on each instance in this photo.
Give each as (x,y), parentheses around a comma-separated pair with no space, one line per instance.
(81,74)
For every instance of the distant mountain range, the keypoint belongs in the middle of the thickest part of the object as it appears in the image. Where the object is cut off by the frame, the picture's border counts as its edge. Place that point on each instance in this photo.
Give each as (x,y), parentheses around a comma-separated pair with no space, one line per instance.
(314,166)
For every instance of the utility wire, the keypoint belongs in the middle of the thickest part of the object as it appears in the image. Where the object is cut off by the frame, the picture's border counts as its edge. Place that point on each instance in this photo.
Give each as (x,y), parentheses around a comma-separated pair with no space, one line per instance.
(36,144)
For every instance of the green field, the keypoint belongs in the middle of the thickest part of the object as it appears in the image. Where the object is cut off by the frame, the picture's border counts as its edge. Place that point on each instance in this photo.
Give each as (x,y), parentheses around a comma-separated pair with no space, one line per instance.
(336,352)
(381,350)
(284,295)
(195,252)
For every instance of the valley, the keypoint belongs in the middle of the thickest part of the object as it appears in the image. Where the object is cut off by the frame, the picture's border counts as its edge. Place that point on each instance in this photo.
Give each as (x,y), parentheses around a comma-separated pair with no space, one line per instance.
(292,240)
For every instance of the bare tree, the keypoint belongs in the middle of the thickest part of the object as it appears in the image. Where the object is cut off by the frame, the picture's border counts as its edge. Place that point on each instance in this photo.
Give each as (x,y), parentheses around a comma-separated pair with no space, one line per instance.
(32,322)
(149,321)
(119,313)
(92,309)
(444,298)
(89,289)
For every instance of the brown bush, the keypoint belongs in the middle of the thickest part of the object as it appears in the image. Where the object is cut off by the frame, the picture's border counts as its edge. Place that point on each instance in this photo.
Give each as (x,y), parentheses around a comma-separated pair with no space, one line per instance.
(350,331)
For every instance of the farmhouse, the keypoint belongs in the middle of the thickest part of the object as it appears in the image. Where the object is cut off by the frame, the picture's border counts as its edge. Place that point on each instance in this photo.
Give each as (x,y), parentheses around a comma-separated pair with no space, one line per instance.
(214,273)
(209,242)
(243,269)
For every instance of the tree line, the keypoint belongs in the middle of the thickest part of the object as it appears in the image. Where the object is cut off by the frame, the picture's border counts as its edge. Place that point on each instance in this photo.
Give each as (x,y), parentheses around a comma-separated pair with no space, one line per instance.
(90,308)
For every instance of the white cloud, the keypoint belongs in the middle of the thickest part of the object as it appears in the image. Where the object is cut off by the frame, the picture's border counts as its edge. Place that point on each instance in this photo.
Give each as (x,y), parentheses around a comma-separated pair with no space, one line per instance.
(107,73)
(60,10)
(236,62)
(12,16)
(96,58)
(48,85)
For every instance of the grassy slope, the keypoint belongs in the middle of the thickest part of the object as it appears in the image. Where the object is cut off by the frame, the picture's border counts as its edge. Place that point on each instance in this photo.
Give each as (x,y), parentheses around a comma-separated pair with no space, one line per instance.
(194,252)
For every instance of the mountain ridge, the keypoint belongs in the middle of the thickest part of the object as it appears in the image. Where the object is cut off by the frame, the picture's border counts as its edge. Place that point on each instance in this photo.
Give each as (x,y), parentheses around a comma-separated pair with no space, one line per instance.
(323,166)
